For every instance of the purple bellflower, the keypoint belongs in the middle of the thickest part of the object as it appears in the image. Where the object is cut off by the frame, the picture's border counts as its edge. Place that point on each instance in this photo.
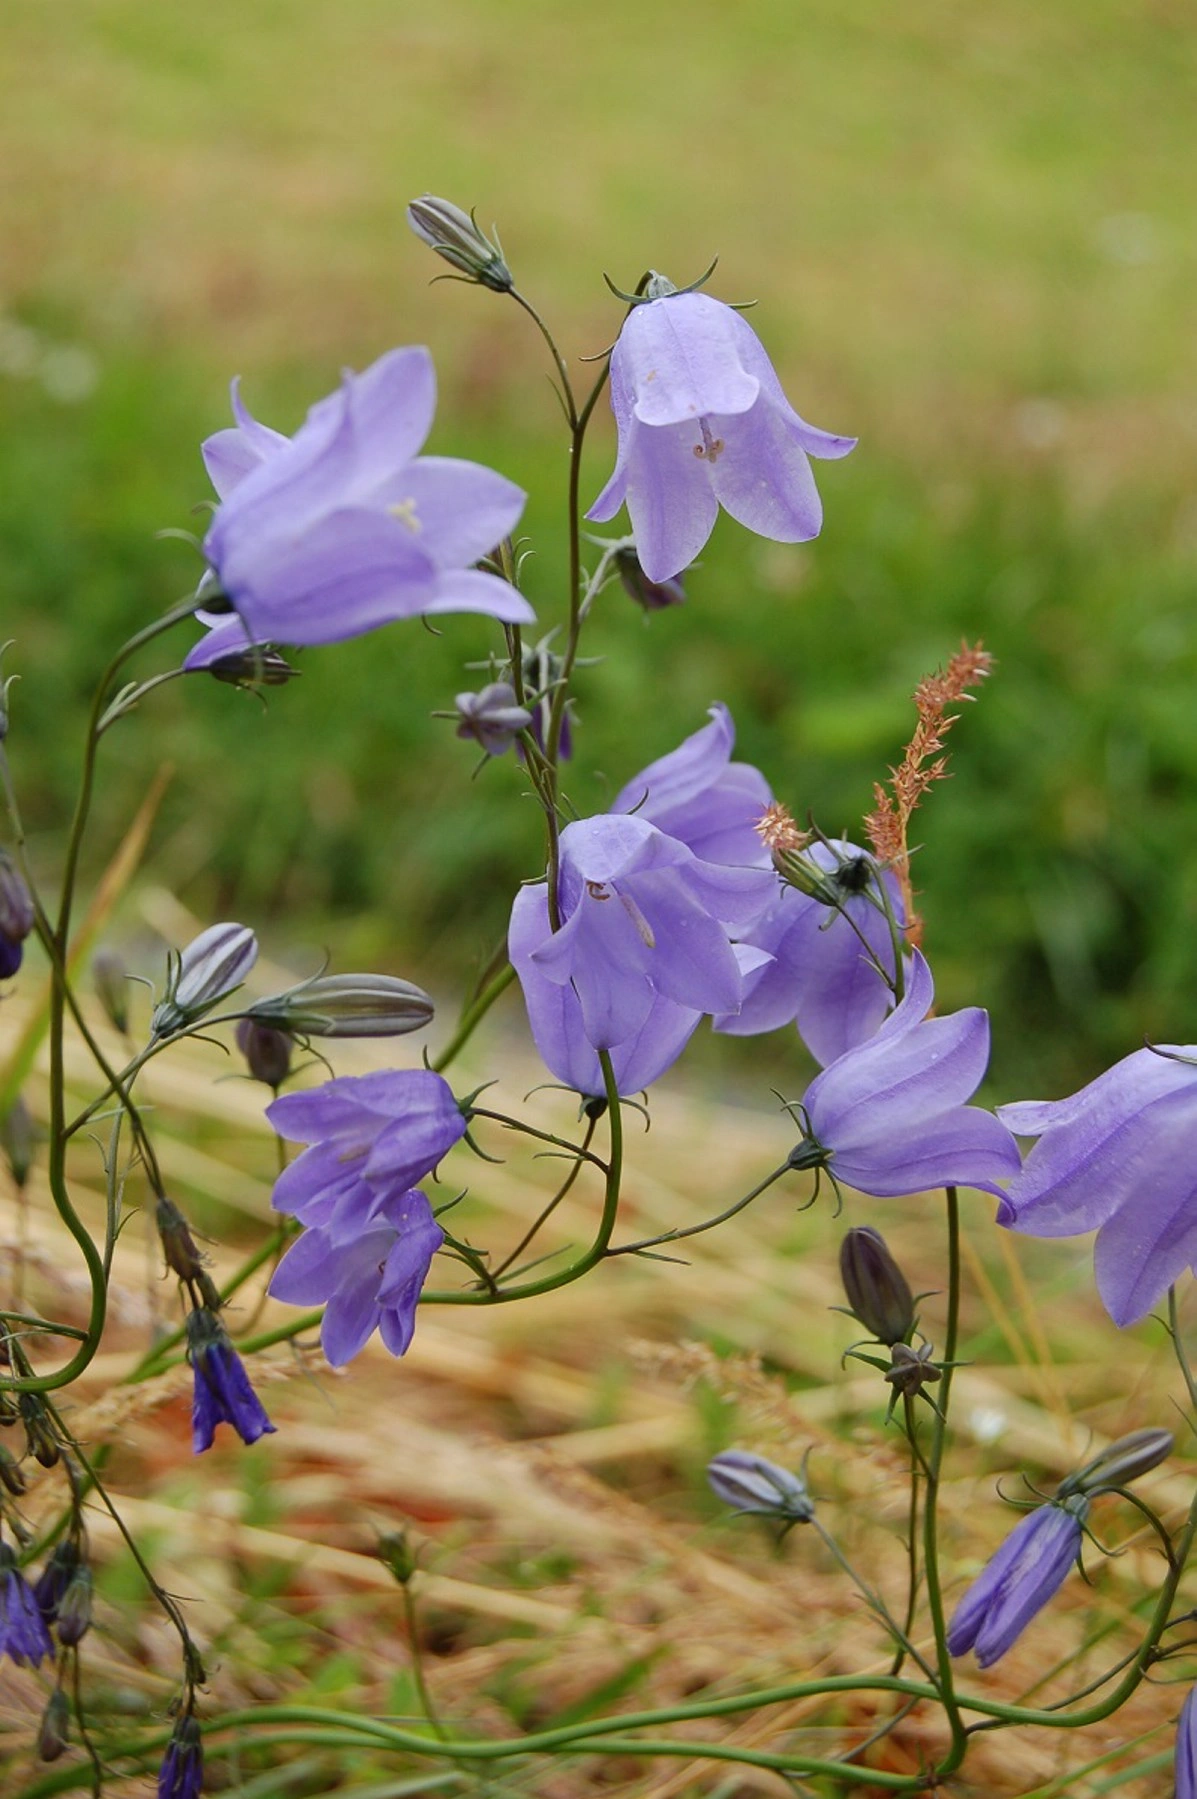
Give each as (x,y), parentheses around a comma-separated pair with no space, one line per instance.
(343,527)
(1186,1748)
(371,1137)
(703,422)
(371,1282)
(16,917)
(890,1117)
(1118,1158)
(181,1775)
(708,802)
(1018,1581)
(751,1484)
(23,1634)
(822,972)
(222,1393)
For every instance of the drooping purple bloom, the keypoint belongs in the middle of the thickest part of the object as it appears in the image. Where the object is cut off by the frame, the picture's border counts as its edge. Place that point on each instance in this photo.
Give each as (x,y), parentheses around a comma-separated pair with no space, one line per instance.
(751,1484)
(371,1136)
(23,1634)
(181,1775)
(1018,1581)
(703,422)
(343,528)
(16,917)
(890,1115)
(1119,1157)
(371,1282)
(491,717)
(1186,1748)
(823,973)
(222,1393)
(708,802)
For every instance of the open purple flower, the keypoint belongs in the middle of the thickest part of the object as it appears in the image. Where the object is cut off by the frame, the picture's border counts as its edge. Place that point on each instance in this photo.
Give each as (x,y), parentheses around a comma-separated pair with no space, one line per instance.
(343,528)
(223,1393)
(822,971)
(703,423)
(23,1634)
(1119,1157)
(1018,1581)
(889,1116)
(708,802)
(372,1282)
(371,1136)
(1186,1748)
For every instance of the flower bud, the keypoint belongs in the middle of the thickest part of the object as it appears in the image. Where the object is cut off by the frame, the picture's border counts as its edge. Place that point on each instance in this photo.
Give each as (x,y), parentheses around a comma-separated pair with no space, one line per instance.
(491,717)
(18,1135)
(347,1005)
(40,1439)
(267,1051)
(751,1484)
(1124,1460)
(74,1611)
(396,1553)
(911,1370)
(214,965)
(51,1585)
(54,1733)
(654,596)
(110,978)
(178,1245)
(16,916)
(454,234)
(877,1289)
(258,665)
(10,1473)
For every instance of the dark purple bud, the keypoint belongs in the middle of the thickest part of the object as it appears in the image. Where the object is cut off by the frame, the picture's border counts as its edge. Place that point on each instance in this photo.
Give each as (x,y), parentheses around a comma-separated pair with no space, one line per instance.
(751,1484)
(654,596)
(454,234)
(10,1472)
(258,665)
(54,1733)
(40,1438)
(23,1634)
(181,1775)
(214,965)
(1124,1460)
(267,1051)
(178,1245)
(18,1136)
(491,717)
(347,1005)
(876,1287)
(56,1577)
(17,916)
(222,1394)
(74,1611)
(110,978)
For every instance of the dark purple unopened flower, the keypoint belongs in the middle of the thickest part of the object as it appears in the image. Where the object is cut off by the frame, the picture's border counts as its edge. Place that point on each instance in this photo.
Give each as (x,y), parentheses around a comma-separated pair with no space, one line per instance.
(823,971)
(371,1282)
(222,1392)
(371,1136)
(703,422)
(343,527)
(491,717)
(1018,1581)
(751,1484)
(889,1116)
(653,596)
(1119,1157)
(16,917)
(54,1579)
(1186,1748)
(23,1634)
(181,1775)
(708,802)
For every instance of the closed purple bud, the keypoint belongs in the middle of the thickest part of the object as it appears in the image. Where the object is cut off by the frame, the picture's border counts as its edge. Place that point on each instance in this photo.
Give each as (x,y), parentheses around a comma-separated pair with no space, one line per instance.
(347,1005)
(222,1394)
(1124,1460)
(214,965)
(55,1578)
(1018,1581)
(181,1775)
(74,1611)
(18,1135)
(877,1290)
(267,1051)
(17,916)
(751,1484)
(110,978)
(654,596)
(1186,1748)
(491,717)
(455,235)
(54,1732)
(23,1634)
(41,1439)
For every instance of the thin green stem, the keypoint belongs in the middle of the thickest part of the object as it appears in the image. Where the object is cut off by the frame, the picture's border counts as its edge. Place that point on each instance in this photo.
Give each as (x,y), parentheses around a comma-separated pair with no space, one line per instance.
(933,1469)
(472,1017)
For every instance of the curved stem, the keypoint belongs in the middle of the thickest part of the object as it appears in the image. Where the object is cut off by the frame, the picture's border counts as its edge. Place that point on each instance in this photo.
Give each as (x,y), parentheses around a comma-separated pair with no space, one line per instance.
(472,1016)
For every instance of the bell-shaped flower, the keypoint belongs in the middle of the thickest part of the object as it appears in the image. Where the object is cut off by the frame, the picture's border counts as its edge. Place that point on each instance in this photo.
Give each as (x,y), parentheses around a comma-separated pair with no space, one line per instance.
(708,802)
(890,1117)
(751,1484)
(1018,1581)
(643,919)
(824,961)
(370,1282)
(181,1775)
(370,1137)
(703,423)
(344,527)
(23,1634)
(222,1393)
(1186,1748)
(1119,1157)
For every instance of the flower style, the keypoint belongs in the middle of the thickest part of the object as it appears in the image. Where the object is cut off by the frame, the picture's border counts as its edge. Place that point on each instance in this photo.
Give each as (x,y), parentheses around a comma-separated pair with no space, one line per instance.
(889,1117)
(1018,1581)
(370,1137)
(222,1393)
(1118,1158)
(708,802)
(23,1634)
(703,422)
(822,971)
(343,528)
(1186,1748)
(369,1283)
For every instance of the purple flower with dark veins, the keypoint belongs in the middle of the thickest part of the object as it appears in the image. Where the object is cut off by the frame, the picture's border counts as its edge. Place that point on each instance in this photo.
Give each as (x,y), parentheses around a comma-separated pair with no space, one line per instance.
(23,1634)
(1120,1158)
(703,423)
(223,1393)
(372,1282)
(889,1116)
(1018,1581)
(370,1137)
(343,527)
(708,802)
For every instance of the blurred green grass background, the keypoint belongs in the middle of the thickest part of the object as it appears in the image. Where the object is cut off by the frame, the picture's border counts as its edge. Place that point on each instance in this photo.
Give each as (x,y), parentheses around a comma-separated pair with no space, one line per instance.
(970,233)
